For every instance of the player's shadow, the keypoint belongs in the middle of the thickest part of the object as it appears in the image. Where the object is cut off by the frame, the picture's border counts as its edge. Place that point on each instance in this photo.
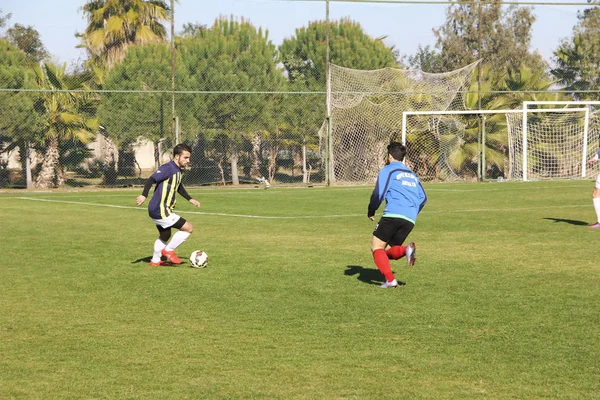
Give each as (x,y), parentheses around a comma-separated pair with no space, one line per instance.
(568,221)
(146,260)
(372,276)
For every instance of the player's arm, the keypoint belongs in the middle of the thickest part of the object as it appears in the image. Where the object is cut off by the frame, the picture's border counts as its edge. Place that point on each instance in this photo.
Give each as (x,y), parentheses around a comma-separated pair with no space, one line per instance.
(181,190)
(376,199)
(595,158)
(142,197)
(423,196)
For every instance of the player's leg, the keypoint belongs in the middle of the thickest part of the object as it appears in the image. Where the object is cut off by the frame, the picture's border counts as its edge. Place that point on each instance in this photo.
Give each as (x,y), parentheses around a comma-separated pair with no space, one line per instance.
(382,234)
(185,230)
(411,254)
(163,237)
(596,202)
(395,249)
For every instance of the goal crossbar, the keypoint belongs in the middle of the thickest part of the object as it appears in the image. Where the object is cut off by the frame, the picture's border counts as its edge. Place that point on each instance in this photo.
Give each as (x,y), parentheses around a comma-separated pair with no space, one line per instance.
(586,126)
(524,111)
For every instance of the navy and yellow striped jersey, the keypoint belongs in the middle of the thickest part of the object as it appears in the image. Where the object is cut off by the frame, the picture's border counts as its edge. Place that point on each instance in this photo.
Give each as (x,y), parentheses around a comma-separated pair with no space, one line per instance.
(168,179)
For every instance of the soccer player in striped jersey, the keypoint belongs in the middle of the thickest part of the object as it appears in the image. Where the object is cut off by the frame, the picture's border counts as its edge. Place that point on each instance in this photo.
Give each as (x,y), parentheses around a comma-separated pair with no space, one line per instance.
(596,193)
(405,198)
(167,179)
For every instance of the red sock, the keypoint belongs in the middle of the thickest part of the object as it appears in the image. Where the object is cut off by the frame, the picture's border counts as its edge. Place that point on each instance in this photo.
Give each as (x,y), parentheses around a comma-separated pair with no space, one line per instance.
(396,252)
(383,264)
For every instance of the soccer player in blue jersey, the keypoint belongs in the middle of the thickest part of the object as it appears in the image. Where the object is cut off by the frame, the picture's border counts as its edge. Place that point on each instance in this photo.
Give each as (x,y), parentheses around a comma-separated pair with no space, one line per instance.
(596,193)
(167,179)
(405,198)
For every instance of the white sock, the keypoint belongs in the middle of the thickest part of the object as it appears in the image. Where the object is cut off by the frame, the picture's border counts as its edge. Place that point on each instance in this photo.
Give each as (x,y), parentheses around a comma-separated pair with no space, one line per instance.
(178,238)
(158,246)
(596,202)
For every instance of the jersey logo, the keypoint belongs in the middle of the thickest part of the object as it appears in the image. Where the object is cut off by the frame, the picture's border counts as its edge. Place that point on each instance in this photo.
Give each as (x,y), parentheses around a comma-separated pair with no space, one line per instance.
(405,175)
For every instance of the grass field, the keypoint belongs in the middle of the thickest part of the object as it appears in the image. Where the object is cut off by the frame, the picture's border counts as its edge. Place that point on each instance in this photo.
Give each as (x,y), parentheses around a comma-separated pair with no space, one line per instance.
(503,302)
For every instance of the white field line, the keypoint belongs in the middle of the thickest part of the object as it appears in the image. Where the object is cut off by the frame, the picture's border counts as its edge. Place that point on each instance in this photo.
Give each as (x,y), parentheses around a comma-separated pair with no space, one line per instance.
(191,212)
(474,210)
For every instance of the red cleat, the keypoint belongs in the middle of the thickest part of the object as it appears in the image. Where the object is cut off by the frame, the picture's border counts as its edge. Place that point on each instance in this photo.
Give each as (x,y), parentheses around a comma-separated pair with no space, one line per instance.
(171,256)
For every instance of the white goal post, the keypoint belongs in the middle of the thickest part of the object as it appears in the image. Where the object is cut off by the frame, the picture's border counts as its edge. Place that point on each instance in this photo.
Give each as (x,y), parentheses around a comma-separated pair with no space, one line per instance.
(452,137)
(450,148)
(405,115)
(586,126)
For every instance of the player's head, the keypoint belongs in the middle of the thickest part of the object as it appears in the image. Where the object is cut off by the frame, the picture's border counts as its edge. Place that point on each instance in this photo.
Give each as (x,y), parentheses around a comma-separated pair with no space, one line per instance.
(181,155)
(396,150)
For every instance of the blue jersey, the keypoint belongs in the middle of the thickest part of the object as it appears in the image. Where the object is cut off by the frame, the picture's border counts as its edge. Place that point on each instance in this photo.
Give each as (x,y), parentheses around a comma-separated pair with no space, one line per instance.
(168,179)
(402,191)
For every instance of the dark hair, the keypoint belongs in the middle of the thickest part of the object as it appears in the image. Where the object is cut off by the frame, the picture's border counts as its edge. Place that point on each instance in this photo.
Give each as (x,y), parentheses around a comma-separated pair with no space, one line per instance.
(180,148)
(397,150)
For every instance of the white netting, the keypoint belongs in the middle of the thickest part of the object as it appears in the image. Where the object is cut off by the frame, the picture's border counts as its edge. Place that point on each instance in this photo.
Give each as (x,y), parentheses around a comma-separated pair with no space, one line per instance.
(366,113)
(458,145)
(555,144)
(433,139)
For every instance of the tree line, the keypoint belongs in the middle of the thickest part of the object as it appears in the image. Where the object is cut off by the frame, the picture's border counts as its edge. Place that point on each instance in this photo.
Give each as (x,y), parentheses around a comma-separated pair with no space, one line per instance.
(237,90)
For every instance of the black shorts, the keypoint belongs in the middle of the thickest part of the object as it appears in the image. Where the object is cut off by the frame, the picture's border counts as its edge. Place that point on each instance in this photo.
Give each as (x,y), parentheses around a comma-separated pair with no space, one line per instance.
(177,225)
(393,231)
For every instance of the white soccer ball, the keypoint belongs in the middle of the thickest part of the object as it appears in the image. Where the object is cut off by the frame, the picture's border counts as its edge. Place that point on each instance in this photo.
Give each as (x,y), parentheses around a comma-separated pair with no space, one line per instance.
(198,259)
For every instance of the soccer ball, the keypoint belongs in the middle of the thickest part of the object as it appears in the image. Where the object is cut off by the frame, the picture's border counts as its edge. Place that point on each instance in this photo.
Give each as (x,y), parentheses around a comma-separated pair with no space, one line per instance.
(198,259)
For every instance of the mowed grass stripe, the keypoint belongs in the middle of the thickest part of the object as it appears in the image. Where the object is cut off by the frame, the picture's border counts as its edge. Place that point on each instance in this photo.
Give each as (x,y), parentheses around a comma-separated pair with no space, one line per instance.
(510,209)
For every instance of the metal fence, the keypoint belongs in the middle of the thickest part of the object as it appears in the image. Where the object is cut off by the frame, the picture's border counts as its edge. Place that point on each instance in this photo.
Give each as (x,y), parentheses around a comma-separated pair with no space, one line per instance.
(236,138)
(254,138)
(51,135)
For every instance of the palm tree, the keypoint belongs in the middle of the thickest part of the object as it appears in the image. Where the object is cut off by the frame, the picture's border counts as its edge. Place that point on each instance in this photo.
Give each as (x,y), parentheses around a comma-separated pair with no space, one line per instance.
(526,84)
(114,25)
(68,115)
(568,71)
(463,151)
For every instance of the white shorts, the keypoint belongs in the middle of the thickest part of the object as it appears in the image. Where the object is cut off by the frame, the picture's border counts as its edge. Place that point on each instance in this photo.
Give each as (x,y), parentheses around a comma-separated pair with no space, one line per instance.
(597,185)
(167,222)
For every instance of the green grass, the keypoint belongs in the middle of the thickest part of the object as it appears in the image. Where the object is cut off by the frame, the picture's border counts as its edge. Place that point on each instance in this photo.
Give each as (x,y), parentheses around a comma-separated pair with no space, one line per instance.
(502,303)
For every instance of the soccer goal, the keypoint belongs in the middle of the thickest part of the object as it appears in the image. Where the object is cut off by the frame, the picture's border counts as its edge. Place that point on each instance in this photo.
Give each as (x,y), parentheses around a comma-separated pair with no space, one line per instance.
(553,139)
(488,144)
(457,145)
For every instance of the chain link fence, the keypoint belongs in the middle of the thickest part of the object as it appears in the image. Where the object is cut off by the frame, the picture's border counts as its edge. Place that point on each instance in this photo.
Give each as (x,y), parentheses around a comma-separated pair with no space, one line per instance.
(247,126)
(236,138)
(276,139)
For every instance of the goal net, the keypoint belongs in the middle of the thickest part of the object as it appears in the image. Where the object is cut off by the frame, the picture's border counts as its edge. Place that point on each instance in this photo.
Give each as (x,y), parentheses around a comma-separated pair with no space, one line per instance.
(548,142)
(366,113)
(457,145)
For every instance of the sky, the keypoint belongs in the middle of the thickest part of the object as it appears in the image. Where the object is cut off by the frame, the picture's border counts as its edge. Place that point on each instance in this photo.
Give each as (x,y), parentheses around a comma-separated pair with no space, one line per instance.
(405,26)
